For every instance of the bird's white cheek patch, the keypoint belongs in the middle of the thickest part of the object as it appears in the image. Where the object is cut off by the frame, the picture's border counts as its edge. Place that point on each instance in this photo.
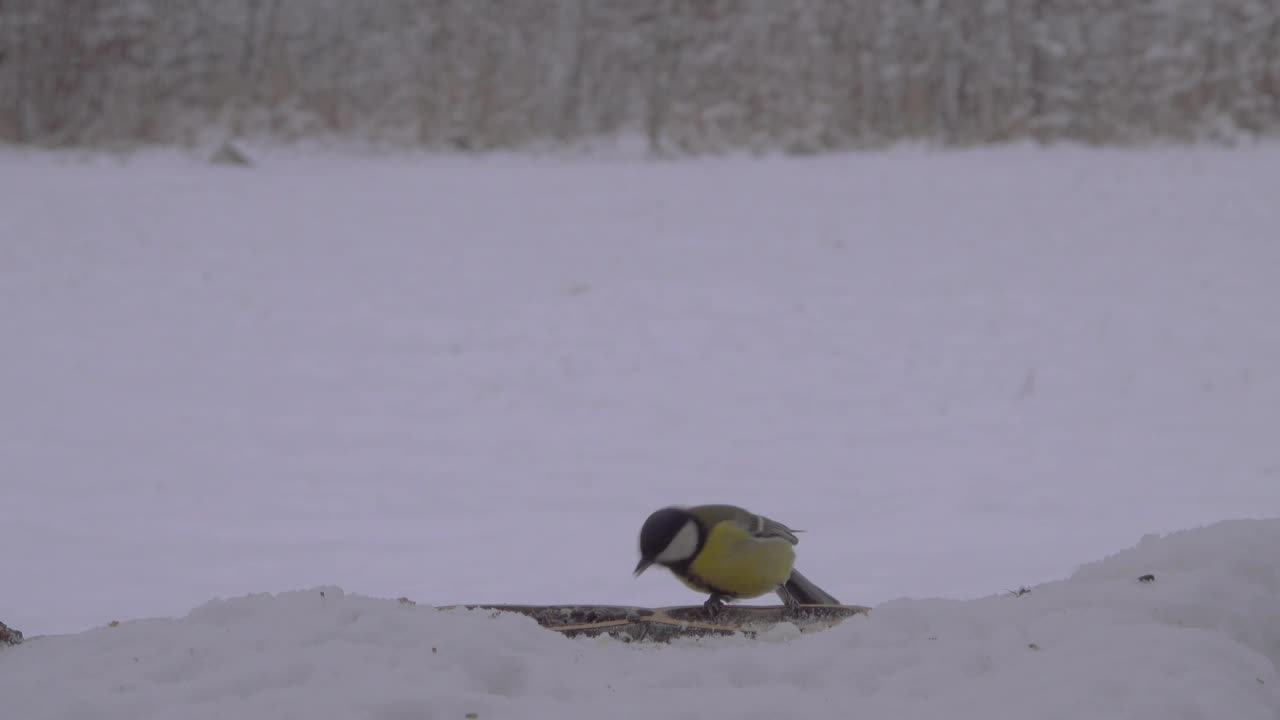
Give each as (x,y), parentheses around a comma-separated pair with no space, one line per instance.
(682,546)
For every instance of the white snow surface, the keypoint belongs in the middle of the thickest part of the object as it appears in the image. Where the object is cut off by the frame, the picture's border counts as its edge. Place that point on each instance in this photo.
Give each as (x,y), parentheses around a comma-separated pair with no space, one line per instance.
(470,379)
(1201,641)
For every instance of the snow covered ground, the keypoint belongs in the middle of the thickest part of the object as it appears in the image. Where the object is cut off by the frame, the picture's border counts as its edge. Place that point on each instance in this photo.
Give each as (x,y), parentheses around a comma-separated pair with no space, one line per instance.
(1201,641)
(469,380)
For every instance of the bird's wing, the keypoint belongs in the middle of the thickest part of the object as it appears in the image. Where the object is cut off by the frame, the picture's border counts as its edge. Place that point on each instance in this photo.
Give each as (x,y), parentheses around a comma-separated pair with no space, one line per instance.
(758,525)
(763,527)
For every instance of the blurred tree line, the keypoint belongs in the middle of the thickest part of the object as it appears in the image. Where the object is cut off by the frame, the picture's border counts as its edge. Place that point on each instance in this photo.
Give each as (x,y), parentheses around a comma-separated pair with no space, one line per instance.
(688,75)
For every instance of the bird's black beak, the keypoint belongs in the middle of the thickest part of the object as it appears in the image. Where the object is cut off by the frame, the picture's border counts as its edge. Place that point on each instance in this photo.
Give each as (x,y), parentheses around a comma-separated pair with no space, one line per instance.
(642,566)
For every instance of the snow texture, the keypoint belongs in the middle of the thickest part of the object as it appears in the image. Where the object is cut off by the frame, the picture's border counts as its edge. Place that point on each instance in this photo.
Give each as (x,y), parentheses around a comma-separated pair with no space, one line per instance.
(470,380)
(1201,641)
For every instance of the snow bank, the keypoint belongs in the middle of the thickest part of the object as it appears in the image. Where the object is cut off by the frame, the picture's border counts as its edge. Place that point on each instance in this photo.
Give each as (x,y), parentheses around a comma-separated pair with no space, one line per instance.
(1202,640)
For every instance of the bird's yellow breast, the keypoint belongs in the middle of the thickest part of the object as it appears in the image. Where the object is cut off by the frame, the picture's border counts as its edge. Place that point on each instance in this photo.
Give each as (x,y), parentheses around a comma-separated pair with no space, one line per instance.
(735,563)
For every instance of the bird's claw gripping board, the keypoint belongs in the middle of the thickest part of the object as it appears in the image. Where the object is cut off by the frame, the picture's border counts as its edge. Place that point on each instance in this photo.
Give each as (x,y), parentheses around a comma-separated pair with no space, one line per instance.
(629,624)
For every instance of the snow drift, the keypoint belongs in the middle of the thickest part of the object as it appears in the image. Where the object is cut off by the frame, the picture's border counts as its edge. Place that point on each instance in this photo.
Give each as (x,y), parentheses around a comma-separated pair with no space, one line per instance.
(1201,640)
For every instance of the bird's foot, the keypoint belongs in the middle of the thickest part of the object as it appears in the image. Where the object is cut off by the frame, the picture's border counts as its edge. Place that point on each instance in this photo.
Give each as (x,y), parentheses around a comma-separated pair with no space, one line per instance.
(713,605)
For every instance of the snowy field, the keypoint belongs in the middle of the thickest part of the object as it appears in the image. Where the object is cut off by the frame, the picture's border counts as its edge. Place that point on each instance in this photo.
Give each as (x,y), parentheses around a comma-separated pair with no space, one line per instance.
(470,380)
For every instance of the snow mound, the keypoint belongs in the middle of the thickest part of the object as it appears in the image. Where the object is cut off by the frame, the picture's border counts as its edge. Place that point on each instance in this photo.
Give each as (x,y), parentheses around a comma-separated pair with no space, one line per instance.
(1200,641)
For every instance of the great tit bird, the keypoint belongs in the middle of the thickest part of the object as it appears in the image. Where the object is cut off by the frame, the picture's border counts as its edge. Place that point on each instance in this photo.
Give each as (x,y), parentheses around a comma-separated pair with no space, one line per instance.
(728,552)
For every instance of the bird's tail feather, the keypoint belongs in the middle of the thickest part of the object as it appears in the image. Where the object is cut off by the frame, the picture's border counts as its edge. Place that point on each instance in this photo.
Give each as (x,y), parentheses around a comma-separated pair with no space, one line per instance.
(802,590)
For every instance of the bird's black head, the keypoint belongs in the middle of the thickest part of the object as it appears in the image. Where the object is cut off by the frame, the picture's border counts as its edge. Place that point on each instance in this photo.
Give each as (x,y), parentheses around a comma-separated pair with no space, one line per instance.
(669,536)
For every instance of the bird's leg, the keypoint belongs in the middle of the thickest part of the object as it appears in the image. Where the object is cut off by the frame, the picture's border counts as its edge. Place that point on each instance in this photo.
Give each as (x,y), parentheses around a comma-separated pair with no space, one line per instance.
(713,604)
(788,599)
